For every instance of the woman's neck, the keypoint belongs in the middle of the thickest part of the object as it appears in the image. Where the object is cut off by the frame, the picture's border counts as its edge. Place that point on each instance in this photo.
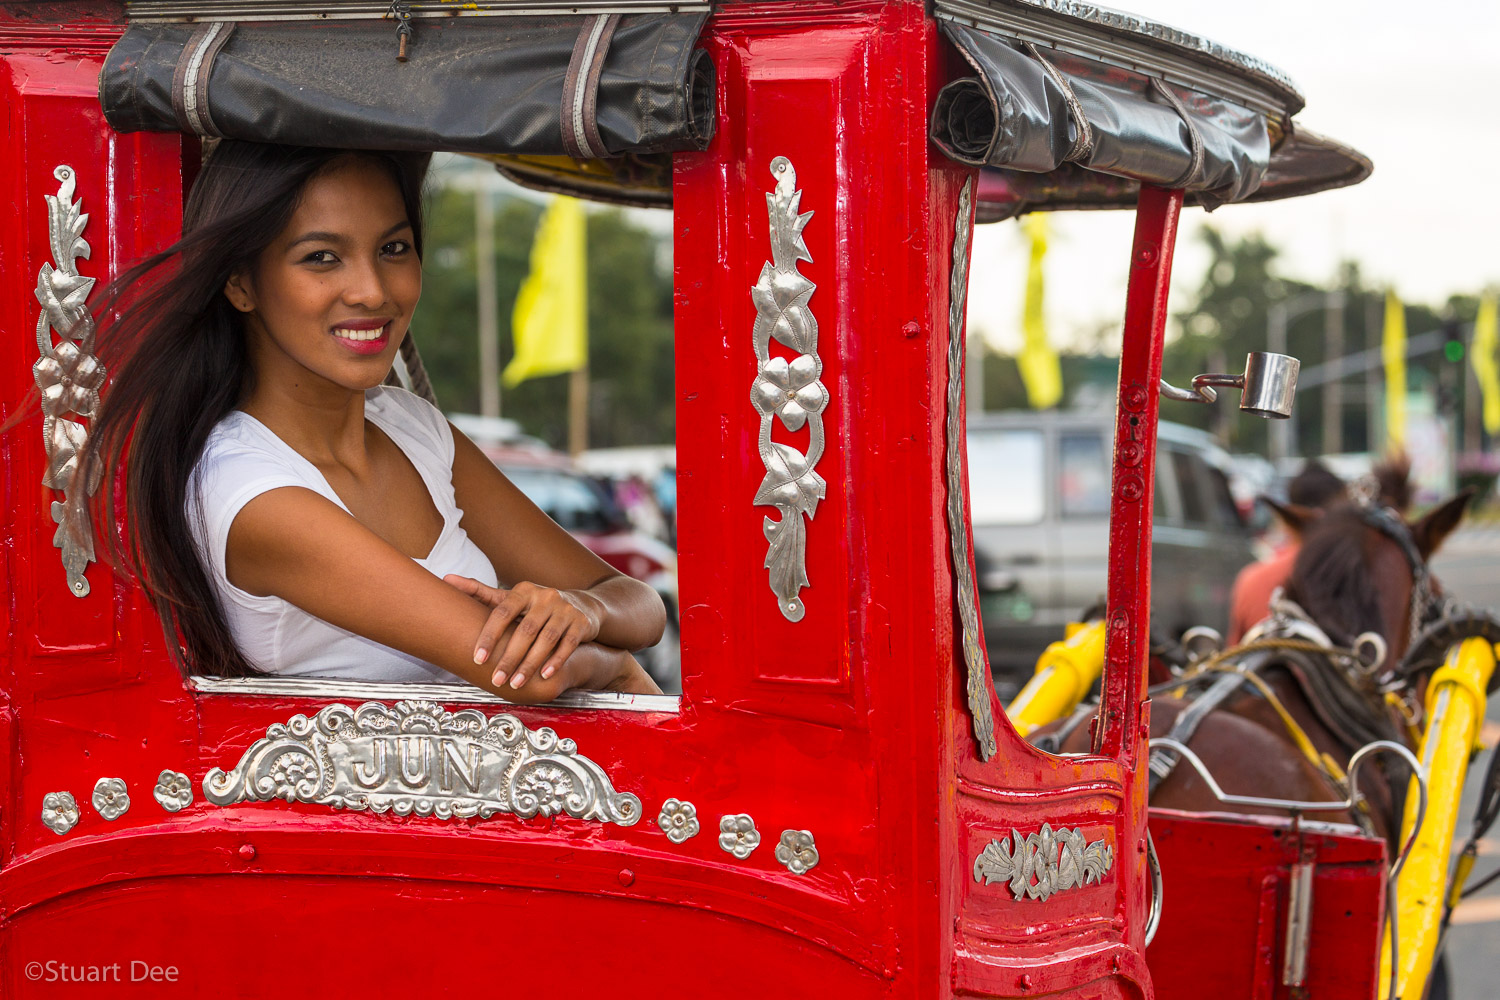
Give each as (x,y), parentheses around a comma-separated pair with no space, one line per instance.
(325,424)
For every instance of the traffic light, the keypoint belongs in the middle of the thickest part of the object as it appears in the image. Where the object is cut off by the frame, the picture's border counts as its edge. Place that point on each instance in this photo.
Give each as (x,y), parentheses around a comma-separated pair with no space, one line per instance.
(1453,341)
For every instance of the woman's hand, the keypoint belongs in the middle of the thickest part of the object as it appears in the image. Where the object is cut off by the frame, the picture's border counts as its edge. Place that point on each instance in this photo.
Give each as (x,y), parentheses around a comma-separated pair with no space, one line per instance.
(546,626)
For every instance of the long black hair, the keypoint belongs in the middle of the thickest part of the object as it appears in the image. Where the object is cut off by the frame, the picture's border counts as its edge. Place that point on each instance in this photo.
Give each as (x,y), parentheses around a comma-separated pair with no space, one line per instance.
(177,351)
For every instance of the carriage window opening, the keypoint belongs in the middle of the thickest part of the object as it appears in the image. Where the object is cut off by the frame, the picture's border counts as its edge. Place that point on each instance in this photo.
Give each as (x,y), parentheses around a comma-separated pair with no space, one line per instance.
(1185,470)
(1007,477)
(1083,476)
(1164,507)
(1225,511)
(615,496)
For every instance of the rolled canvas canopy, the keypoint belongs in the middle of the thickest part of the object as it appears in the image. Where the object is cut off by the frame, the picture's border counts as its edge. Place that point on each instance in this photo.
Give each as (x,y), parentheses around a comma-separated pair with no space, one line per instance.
(588,86)
(1030,112)
(1068,105)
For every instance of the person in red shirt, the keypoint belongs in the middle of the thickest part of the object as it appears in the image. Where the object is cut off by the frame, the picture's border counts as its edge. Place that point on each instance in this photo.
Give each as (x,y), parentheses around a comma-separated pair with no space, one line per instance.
(1316,486)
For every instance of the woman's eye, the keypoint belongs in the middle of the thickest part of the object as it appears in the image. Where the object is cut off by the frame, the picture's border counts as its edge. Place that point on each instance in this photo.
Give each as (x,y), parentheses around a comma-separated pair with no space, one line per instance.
(396,248)
(320,257)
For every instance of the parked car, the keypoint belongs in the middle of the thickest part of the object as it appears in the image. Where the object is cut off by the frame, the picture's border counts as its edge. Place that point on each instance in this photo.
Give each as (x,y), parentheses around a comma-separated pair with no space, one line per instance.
(585,506)
(1039,498)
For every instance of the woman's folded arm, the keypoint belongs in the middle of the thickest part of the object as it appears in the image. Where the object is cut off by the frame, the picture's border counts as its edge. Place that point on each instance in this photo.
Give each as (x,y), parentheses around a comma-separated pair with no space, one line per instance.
(525,545)
(294,544)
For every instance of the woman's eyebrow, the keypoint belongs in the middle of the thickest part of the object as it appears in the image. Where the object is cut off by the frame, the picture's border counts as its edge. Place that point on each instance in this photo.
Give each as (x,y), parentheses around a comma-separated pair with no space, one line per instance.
(323,236)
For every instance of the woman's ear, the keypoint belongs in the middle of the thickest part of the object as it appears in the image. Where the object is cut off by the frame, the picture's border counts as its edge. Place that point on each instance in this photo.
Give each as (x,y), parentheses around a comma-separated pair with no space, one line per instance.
(237,291)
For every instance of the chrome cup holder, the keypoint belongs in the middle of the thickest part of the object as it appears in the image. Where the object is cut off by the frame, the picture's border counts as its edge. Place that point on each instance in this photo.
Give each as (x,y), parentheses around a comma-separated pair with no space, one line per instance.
(1267,387)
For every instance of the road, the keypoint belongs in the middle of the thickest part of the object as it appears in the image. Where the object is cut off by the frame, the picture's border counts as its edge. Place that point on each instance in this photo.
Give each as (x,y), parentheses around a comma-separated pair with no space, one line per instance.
(1468,566)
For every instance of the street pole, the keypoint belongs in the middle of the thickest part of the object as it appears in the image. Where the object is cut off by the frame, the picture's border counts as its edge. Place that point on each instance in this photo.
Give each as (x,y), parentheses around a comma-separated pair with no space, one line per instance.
(578,411)
(489,320)
(1374,412)
(1333,391)
(974,369)
(1280,430)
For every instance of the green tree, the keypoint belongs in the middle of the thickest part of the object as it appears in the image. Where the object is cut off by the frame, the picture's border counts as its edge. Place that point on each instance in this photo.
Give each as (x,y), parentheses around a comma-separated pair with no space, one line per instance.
(1230,317)
(630,322)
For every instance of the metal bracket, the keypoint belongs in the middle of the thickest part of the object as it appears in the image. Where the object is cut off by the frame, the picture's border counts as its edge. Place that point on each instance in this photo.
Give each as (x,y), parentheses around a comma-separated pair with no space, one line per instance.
(1267,387)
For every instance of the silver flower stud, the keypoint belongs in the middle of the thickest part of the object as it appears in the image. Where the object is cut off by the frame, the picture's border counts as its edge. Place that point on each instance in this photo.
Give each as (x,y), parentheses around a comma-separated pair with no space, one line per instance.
(796,851)
(173,791)
(790,390)
(678,820)
(738,835)
(59,812)
(110,798)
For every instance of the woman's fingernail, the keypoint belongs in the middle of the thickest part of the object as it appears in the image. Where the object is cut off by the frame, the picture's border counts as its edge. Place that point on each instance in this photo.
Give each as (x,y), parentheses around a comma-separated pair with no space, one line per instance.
(548,671)
(481,654)
(518,679)
(499,678)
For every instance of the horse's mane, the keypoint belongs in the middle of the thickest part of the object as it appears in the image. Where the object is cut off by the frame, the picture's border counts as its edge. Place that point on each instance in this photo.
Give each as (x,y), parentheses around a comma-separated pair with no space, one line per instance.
(1333,578)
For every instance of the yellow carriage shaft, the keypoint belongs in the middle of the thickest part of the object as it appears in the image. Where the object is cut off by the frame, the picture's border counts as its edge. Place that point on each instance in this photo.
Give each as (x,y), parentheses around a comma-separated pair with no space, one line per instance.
(1455,710)
(1065,673)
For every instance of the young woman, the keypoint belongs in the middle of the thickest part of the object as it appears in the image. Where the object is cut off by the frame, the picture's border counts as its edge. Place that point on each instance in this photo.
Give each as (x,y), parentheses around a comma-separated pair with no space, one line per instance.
(288,514)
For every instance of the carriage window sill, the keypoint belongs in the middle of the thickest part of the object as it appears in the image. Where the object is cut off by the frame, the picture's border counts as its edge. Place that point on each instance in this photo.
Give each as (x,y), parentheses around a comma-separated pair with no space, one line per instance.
(329,688)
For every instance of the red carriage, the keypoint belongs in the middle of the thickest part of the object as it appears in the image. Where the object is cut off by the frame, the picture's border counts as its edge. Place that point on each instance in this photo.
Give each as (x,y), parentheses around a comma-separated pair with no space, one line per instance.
(836,804)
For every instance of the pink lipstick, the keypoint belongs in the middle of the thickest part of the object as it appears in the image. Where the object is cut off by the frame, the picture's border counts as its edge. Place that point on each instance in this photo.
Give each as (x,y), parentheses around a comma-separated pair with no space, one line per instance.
(363,336)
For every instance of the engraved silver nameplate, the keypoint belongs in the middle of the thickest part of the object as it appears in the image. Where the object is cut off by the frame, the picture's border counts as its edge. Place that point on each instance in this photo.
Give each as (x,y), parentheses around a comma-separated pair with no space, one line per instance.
(416,757)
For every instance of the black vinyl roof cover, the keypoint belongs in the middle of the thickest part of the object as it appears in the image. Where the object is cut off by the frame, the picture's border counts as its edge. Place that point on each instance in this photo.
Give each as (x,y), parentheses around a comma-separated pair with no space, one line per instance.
(1014,114)
(469,85)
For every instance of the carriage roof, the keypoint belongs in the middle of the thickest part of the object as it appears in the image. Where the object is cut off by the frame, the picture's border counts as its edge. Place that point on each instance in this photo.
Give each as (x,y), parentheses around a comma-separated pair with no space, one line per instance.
(1063,105)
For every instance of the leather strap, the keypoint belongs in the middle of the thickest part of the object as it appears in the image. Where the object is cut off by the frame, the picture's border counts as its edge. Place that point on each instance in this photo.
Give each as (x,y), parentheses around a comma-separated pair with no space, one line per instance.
(1083,141)
(580,125)
(190,78)
(1195,138)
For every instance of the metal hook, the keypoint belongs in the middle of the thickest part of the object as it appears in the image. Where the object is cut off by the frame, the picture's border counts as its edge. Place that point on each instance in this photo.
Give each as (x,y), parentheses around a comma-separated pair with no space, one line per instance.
(1267,386)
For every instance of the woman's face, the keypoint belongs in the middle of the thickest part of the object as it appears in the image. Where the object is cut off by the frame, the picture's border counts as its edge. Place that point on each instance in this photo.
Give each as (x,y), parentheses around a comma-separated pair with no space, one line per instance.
(333,294)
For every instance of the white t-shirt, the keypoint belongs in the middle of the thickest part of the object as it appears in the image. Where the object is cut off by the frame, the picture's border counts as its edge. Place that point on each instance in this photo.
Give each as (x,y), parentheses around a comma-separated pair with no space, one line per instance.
(242,459)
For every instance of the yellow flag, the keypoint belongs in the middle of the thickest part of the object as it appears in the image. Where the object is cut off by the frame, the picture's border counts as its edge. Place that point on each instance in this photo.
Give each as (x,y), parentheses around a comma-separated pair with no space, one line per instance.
(1482,357)
(550,323)
(1038,361)
(1393,353)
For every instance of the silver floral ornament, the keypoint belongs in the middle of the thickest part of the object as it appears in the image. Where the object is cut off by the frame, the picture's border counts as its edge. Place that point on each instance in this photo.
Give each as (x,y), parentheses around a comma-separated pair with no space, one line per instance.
(791,390)
(173,791)
(59,812)
(738,835)
(678,820)
(796,851)
(111,798)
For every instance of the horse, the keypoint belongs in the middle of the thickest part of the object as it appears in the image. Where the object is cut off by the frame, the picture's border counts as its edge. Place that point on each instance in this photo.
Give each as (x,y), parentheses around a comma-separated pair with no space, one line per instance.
(1280,715)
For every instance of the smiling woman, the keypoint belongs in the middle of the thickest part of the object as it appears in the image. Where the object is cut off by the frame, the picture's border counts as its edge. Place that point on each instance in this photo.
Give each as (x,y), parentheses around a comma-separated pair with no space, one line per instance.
(289,514)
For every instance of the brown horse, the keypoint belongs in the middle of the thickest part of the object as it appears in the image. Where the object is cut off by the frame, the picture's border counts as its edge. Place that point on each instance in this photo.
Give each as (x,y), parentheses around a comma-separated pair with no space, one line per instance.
(1361,569)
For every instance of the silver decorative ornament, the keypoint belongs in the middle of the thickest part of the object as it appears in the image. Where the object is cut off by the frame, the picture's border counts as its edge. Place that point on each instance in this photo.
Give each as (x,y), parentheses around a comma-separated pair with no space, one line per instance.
(173,791)
(738,835)
(789,391)
(59,812)
(416,757)
(678,820)
(111,798)
(977,670)
(68,377)
(797,851)
(1040,864)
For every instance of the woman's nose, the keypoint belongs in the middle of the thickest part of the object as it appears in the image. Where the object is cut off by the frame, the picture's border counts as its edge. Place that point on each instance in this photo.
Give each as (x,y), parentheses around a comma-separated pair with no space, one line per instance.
(365,286)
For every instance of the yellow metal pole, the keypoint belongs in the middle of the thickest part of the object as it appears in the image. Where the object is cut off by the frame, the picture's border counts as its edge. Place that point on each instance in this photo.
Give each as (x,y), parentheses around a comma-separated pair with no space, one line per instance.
(1455,710)
(1064,674)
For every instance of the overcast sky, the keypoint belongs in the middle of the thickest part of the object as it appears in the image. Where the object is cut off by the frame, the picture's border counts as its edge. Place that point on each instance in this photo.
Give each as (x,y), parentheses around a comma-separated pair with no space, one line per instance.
(1415,87)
